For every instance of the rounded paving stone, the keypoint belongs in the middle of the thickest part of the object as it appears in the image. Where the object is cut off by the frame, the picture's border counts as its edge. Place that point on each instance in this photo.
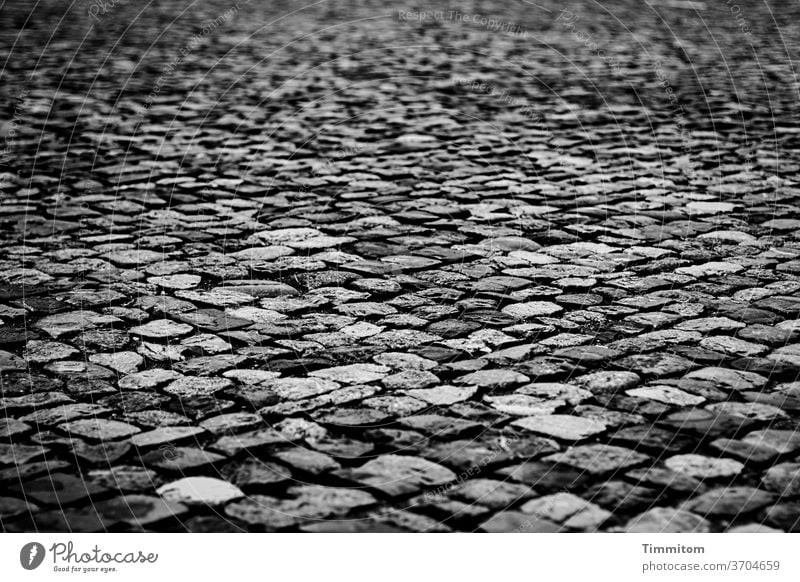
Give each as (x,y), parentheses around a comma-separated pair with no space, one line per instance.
(493,379)
(702,467)
(410,380)
(561,426)
(161,329)
(187,387)
(532,309)
(667,520)
(176,282)
(442,395)
(523,404)
(353,373)
(783,479)
(399,474)
(305,502)
(147,379)
(40,352)
(666,395)
(199,491)
(608,381)
(99,429)
(730,501)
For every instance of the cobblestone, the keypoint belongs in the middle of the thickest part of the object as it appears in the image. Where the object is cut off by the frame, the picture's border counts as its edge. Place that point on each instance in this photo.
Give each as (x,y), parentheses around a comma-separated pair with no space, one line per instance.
(316,292)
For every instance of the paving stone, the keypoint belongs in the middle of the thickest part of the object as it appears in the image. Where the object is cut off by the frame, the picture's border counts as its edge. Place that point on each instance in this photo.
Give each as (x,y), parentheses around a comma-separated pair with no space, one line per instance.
(556,392)
(396,475)
(61,521)
(354,417)
(620,497)
(598,459)
(753,528)
(30,470)
(667,395)
(48,408)
(481,454)
(10,428)
(395,406)
(710,269)
(658,365)
(782,516)
(601,382)
(353,373)
(783,479)
(233,422)
(440,427)
(532,309)
(156,418)
(747,410)
(442,395)
(248,442)
(99,429)
(65,323)
(299,388)
(667,520)
(729,379)
(11,454)
(121,362)
(782,441)
(40,352)
(747,452)
(166,435)
(217,297)
(176,282)
(186,387)
(10,362)
(567,509)
(206,344)
(410,380)
(788,354)
(212,320)
(518,522)
(709,423)
(305,503)
(495,494)
(147,379)
(209,365)
(524,405)
(253,473)
(702,467)
(58,489)
(404,361)
(730,501)
(733,346)
(710,324)
(15,383)
(142,510)
(343,448)
(161,329)
(199,491)
(493,379)
(307,460)
(13,507)
(765,334)
(561,426)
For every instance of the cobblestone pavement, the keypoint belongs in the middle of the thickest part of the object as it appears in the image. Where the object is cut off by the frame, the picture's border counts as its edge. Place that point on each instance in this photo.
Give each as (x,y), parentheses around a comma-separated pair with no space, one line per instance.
(503,266)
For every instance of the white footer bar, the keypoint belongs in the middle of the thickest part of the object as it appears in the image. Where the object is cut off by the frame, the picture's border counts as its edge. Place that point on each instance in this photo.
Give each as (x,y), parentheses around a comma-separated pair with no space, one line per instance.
(399,557)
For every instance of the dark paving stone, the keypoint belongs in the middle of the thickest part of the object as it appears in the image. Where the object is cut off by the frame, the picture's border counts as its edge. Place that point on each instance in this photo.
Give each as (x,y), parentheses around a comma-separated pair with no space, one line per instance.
(58,489)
